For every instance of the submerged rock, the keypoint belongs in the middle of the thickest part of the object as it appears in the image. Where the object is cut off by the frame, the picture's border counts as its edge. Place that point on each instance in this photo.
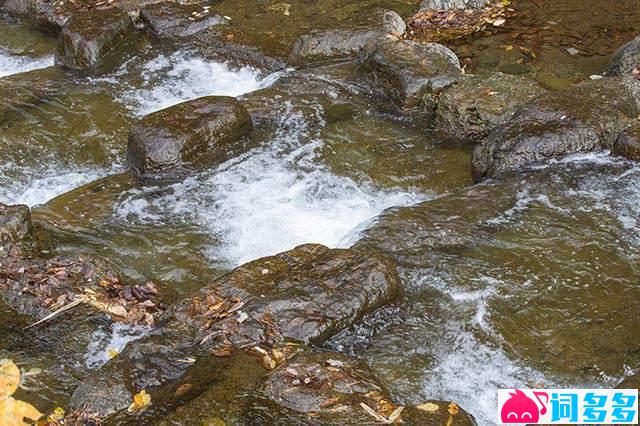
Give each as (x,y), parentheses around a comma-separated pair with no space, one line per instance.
(170,19)
(628,144)
(342,44)
(585,118)
(626,60)
(263,308)
(404,71)
(468,110)
(22,92)
(89,40)
(190,133)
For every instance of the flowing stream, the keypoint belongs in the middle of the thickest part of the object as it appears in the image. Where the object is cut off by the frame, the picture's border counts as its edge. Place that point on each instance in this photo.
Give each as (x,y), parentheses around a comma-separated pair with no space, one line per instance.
(533,281)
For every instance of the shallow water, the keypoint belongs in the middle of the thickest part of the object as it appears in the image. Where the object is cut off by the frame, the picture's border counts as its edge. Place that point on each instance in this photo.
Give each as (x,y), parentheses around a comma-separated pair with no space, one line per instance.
(524,281)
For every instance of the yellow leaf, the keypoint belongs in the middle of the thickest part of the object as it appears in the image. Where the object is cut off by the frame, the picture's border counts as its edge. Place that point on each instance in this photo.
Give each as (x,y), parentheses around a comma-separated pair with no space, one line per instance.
(112,353)
(56,416)
(13,412)
(141,401)
(429,407)
(9,377)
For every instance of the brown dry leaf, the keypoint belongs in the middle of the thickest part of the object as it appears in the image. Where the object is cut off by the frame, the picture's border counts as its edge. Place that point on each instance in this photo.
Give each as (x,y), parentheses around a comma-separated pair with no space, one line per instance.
(141,401)
(9,378)
(373,413)
(395,415)
(453,408)
(13,412)
(429,407)
(183,389)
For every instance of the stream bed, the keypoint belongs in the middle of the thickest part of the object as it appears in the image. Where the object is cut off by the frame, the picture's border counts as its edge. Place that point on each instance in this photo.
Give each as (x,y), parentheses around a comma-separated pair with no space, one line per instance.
(530,279)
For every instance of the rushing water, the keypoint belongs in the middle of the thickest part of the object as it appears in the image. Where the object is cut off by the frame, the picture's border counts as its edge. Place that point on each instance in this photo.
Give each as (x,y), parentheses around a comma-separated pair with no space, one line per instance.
(525,281)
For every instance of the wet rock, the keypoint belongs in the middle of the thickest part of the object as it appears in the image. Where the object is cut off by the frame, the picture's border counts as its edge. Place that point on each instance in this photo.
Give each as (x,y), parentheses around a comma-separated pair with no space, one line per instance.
(237,55)
(15,229)
(585,118)
(453,4)
(344,44)
(628,144)
(444,21)
(43,13)
(90,40)
(321,388)
(626,60)
(332,388)
(264,308)
(170,19)
(404,71)
(21,93)
(190,133)
(631,382)
(471,108)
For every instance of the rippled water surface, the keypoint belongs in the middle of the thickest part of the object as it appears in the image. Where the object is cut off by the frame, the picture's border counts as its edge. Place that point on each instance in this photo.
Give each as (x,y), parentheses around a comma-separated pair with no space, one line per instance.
(528,280)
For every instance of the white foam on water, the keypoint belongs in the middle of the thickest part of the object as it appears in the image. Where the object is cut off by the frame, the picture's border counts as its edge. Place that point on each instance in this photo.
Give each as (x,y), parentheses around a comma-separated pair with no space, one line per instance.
(271,199)
(105,344)
(168,80)
(13,64)
(35,187)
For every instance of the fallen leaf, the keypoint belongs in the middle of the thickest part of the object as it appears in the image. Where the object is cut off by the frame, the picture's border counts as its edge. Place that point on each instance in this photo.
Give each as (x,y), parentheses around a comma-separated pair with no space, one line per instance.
(183,389)
(13,412)
(141,401)
(9,378)
(429,407)
(499,22)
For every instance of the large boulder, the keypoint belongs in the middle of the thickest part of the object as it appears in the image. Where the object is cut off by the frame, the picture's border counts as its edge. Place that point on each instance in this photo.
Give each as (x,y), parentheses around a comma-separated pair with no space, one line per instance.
(585,118)
(90,40)
(188,133)
(264,308)
(471,108)
(628,144)
(626,60)
(170,19)
(21,93)
(405,71)
(347,43)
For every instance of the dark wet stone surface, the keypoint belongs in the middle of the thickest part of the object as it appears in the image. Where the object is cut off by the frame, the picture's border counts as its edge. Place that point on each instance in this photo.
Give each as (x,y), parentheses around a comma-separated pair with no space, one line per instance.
(190,133)
(89,40)
(628,144)
(404,71)
(169,19)
(626,59)
(348,43)
(588,117)
(468,110)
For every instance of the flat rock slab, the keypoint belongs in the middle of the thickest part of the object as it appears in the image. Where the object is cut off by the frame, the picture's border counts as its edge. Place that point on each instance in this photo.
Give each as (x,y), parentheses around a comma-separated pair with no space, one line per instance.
(189,133)
(585,118)
(170,19)
(88,40)
(347,43)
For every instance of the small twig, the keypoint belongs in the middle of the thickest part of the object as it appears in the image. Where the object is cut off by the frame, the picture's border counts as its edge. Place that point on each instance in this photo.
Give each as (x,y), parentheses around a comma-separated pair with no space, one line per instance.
(57,312)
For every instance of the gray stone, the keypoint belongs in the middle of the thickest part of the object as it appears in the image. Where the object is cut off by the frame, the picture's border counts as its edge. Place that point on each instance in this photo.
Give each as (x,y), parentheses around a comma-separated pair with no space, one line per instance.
(585,118)
(471,108)
(89,40)
(626,59)
(347,43)
(170,19)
